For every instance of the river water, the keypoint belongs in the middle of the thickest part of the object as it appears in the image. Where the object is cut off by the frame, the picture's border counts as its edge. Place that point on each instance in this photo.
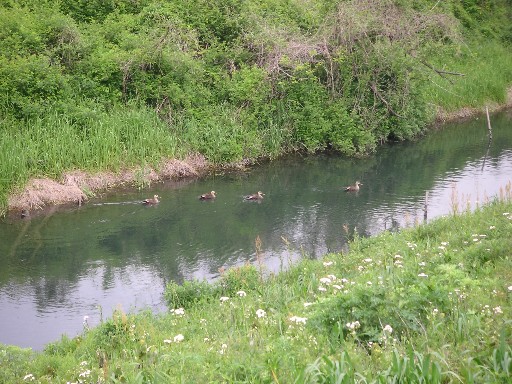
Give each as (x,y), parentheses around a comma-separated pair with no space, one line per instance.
(114,252)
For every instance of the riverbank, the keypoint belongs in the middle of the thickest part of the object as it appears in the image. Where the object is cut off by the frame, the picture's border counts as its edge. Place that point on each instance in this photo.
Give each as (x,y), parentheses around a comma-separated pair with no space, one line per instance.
(76,187)
(396,306)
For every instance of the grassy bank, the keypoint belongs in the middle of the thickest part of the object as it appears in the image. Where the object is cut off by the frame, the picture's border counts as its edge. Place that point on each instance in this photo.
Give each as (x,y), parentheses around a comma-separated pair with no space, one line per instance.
(429,304)
(119,84)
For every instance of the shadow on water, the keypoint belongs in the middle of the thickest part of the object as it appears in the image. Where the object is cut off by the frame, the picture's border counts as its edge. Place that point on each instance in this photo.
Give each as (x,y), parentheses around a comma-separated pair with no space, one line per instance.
(65,264)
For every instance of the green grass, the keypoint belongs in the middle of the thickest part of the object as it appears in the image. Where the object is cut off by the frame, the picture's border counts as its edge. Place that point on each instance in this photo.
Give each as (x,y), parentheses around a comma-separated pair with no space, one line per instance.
(487,74)
(431,304)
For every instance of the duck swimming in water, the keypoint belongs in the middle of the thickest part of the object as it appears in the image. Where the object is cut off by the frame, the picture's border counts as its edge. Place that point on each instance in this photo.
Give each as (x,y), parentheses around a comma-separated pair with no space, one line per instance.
(152,201)
(255,196)
(353,188)
(208,196)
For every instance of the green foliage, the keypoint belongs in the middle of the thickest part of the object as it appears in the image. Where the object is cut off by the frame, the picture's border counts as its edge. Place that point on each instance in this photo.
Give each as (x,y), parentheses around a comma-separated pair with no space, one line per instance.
(189,293)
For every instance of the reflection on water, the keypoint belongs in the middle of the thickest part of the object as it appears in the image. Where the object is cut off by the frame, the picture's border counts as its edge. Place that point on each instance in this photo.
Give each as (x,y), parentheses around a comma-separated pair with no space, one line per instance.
(111,252)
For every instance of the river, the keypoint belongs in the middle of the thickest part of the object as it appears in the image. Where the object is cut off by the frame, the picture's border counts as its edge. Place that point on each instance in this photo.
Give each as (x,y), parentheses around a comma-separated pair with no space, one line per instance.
(113,252)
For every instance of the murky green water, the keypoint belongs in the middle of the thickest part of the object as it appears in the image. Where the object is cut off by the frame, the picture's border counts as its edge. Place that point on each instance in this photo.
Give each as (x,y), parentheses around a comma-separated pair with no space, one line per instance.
(58,267)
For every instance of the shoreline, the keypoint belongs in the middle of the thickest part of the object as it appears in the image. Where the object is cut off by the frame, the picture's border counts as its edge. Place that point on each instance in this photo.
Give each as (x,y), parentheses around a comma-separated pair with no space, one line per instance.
(75,187)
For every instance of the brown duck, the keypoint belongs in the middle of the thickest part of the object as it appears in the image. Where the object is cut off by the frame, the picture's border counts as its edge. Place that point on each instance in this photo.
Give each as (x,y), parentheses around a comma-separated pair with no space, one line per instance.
(353,188)
(255,196)
(152,201)
(208,196)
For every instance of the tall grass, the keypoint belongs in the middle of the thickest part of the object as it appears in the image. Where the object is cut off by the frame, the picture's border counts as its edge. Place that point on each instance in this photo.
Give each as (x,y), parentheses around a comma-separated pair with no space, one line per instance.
(53,144)
(487,74)
(430,304)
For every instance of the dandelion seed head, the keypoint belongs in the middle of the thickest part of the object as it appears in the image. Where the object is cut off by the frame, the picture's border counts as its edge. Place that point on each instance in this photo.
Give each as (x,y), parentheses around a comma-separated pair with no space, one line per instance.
(388,329)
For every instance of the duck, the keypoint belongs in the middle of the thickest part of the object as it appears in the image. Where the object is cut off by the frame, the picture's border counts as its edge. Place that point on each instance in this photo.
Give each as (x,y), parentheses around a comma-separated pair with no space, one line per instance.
(152,201)
(353,188)
(255,196)
(208,196)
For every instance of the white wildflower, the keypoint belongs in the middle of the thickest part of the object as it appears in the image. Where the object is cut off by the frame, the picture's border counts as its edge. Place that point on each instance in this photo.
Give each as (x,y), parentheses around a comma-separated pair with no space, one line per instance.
(29,377)
(338,287)
(422,264)
(354,325)
(328,263)
(497,310)
(322,289)
(422,275)
(325,280)
(241,293)
(179,338)
(298,320)
(261,313)
(85,373)
(178,311)
(388,329)
(368,260)
(223,299)
(307,304)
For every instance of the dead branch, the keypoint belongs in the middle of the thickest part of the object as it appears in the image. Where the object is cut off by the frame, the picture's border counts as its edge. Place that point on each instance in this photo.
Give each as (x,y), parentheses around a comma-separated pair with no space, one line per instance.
(377,93)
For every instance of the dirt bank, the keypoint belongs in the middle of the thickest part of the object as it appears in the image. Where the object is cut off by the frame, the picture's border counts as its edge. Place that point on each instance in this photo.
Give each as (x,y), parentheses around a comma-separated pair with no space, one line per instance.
(467,113)
(76,187)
